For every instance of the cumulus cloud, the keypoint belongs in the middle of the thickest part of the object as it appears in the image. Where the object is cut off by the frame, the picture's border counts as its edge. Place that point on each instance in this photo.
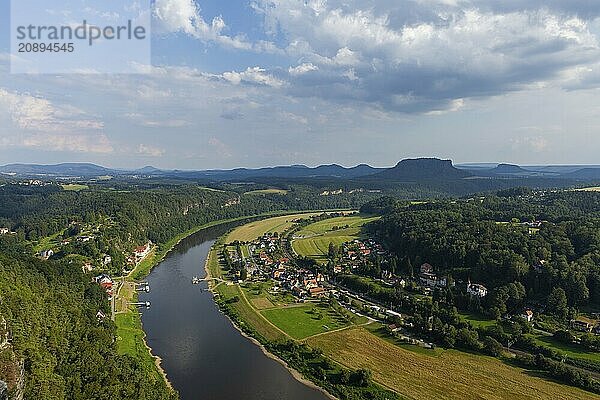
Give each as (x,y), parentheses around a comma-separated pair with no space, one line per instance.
(68,142)
(424,55)
(36,122)
(537,144)
(185,16)
(254,75)
(302,69)
(148,150)
(220,148)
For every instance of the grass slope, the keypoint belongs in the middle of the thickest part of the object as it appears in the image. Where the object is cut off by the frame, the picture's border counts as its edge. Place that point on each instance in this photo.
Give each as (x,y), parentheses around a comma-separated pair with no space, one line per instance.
(249,232)
(314,239)
(447,374)
(304,321)
(264,192)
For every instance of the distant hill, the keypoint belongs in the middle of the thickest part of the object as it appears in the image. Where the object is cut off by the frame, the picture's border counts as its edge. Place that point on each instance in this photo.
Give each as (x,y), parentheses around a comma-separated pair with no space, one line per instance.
(149,170)
(293,171)
(508,169)
(432,169)
(410,170)
(65,169)
(584,174)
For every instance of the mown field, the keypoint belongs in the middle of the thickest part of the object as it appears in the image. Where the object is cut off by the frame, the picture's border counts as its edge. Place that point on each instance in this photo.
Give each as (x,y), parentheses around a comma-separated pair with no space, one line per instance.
(254,230)
(248,314)
(74,187)
(570,350)
(264,192)
(327,225)
(303,321)
(313,241)
(440,374)
(478,321)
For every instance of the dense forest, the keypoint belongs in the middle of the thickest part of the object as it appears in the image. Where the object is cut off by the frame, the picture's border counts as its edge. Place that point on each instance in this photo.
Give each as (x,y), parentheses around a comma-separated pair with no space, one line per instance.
(68,352)
(124,216)
(496,241)
(534,252)
(50,306)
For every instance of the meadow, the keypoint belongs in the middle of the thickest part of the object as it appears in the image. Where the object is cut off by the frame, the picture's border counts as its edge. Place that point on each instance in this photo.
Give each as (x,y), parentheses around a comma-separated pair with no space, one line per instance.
(254,230)
(74,187)
(303,321)
(264,192)
(313,241)
(418,374)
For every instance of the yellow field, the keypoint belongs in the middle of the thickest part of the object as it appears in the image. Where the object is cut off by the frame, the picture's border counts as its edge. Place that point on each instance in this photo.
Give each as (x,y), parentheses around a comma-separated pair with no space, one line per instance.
(267,191)
(254,230)
(442,375)
(317,237)
(321,227)
(74,187)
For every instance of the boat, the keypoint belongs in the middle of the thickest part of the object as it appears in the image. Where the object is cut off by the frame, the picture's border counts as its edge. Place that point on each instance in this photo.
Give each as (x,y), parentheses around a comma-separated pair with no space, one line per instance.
(196,280)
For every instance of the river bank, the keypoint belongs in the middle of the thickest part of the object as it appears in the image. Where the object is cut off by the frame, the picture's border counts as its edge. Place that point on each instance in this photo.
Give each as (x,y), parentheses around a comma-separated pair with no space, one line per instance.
(131,336)
(295,374)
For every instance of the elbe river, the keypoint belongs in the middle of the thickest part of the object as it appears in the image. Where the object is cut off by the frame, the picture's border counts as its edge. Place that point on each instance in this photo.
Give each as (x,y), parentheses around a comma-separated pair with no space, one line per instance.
(203,354)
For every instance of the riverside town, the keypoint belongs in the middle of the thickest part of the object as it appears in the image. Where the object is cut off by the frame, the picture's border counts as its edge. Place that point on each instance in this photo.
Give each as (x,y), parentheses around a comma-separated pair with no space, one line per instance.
(299,200)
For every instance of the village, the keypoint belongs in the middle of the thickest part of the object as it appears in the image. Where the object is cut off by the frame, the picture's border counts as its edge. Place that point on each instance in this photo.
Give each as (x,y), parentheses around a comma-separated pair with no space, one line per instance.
(266,260)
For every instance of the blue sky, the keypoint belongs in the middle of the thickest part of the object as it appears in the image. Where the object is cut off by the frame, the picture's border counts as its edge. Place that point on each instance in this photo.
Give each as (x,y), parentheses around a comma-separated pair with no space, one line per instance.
(271,82)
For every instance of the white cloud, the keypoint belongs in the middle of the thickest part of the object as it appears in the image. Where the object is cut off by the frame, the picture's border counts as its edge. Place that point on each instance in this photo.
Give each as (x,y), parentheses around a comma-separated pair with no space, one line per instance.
(423,56)
(39,123)
(148,150)
(537,144)
(68,142)
(302,69)
(255,75)
(220,148)
(185,16)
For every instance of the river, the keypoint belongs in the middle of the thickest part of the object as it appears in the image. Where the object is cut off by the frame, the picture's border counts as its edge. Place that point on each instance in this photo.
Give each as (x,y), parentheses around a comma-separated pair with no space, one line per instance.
(203,354)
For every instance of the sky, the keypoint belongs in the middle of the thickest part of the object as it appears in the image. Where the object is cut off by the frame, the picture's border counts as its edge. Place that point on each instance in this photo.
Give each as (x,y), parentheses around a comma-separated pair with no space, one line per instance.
(252,83)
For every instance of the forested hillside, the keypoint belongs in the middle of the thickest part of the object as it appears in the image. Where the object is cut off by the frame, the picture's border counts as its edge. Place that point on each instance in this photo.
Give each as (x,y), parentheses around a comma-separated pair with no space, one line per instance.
(68,353)
(51,306)
(541,241)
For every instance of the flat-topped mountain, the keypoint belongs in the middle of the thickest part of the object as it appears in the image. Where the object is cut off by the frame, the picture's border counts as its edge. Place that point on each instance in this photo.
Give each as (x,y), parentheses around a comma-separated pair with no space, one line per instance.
(508,169)
(423,168)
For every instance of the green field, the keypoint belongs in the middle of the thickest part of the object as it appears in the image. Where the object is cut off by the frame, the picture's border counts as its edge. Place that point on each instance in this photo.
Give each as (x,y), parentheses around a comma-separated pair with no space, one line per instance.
(572,350)
(254,230)
(303,321)
(48,242)
(264,192)
(440,374)
(477,321)
(248,314)
(317,248)
(130,341)
(313,241)
(74,187)
(258,294)
(327,225)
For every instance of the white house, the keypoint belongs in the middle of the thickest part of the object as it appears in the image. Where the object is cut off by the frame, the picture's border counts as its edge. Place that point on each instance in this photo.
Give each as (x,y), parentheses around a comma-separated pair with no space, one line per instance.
(142,251)
(527,315)
(476,289)
(46,254)
(4,231)
(87,267)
